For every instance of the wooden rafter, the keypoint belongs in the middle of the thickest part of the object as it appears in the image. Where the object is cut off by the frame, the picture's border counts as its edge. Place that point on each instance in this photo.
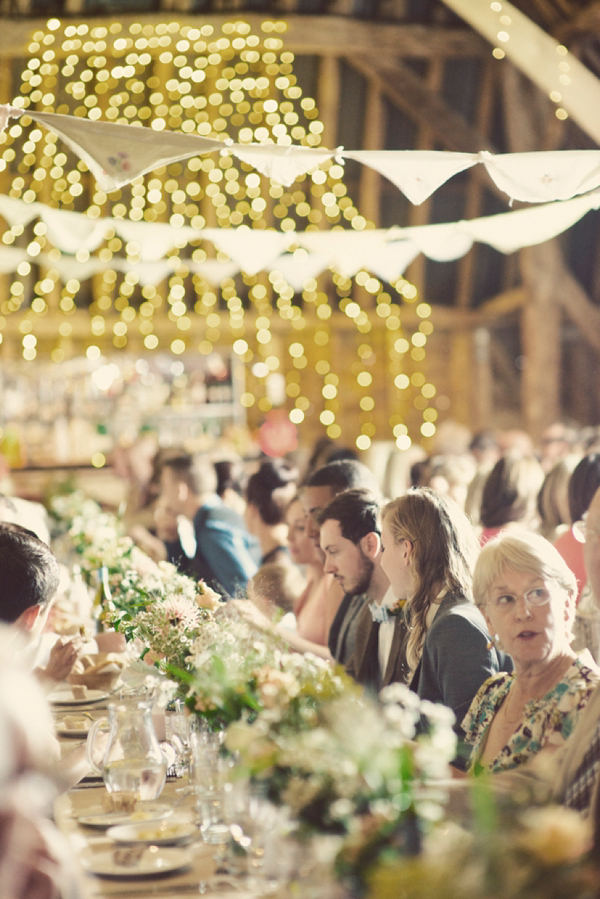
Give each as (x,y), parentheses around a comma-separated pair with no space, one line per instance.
(315,35)
(411,94)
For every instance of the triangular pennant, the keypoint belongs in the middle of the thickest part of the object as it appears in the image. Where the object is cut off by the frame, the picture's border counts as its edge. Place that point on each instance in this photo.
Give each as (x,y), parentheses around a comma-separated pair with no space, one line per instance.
(252,250)
(17,212)
(346,251)
(151,273)
(441,242)
(281,164)
(510,231)
(71,231)
(69,267)
(547,176)
(10,257)
(154,239)
(417,173)
(213,271)
(393,259)
(296,268)
(116,154)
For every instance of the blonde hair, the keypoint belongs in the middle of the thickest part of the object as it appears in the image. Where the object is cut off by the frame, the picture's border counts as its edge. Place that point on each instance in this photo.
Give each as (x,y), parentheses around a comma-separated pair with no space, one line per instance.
(523,551)
(445,548)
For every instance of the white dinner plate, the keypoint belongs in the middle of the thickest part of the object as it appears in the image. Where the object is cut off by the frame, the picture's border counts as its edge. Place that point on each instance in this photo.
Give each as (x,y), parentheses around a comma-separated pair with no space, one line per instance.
(154,833)
(145,811)
(154,861)
(63,731)
(65,697)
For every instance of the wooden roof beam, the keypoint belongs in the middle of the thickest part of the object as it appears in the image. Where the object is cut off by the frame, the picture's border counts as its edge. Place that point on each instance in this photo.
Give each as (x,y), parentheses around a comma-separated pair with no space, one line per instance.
(403,87)
(316,35)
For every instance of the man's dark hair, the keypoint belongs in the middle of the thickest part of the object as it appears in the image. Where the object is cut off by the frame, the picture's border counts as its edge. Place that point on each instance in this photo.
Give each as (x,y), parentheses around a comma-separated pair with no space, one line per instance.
(344,474)
(29,572)
(357,511)
(198,472)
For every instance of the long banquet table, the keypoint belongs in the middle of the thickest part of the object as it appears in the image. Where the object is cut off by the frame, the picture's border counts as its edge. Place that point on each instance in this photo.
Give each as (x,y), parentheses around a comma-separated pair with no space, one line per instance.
(198,877)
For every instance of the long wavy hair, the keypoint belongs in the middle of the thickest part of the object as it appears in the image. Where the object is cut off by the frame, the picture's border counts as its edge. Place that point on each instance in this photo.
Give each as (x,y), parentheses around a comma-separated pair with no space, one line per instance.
(445,549)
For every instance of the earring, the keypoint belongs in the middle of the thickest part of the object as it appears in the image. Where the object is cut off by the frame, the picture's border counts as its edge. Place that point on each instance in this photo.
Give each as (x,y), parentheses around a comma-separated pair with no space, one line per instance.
(492,642)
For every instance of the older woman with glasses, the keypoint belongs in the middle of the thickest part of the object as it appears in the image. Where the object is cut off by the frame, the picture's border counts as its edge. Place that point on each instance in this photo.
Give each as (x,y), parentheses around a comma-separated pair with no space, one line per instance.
(527,595)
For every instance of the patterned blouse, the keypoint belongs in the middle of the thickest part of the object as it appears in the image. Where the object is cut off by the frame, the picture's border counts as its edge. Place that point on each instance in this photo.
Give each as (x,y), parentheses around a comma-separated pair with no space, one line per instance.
(547,721)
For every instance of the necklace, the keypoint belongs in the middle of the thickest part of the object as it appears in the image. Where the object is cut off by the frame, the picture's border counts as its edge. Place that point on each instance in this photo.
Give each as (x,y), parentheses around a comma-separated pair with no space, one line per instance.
(505,706)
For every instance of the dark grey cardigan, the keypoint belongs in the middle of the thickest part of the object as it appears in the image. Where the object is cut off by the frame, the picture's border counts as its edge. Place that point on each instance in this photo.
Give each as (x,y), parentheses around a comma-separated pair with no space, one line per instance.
(457,658)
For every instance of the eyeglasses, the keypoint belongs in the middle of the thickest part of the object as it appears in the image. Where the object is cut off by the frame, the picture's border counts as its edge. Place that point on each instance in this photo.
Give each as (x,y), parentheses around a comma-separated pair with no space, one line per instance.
(537,596)
(582,530)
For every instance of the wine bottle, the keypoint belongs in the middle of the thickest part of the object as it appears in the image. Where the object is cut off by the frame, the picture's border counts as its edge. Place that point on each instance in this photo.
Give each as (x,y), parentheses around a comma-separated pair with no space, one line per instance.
(102,599)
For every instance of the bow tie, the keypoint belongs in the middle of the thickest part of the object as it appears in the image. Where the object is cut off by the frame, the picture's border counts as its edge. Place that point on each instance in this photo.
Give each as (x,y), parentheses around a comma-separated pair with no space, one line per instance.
(379,614)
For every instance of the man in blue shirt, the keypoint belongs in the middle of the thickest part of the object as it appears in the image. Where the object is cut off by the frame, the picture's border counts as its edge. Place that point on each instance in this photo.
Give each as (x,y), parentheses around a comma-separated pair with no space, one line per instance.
(216,547)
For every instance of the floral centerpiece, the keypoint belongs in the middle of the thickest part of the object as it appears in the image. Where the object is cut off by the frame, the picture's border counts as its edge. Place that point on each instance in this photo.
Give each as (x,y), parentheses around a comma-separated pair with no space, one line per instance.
(517,852)
(355,768)
(67,505)
(96,537)
(237,673)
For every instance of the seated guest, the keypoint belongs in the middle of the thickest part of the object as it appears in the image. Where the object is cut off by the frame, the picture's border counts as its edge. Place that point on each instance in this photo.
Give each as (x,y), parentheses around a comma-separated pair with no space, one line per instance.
(571,774)
(136,465)
(583,483)
(449,474)
(213,544)
(527,594)
(29,578)
(316,601)
(577,783)
(230,483)
(269,492)
(553,499)
(558,440)
(510,494)
(316,605)
(35,861)
(351,543)
(429,551)
(318,490)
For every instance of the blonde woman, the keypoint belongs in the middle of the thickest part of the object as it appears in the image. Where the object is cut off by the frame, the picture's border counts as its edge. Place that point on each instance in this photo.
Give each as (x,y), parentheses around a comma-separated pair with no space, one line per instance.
(429,550)
(527,595)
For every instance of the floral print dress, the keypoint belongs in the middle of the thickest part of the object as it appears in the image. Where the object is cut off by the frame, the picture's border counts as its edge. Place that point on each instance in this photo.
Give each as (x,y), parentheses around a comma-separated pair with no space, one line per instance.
(548,721)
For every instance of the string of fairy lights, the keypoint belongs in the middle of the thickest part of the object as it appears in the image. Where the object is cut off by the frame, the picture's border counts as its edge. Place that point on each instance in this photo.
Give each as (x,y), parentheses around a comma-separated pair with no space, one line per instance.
(563,67)
(230,82)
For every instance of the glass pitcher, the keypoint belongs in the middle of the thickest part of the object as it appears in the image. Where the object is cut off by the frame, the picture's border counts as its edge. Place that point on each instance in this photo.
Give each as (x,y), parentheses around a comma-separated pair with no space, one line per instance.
(132,761)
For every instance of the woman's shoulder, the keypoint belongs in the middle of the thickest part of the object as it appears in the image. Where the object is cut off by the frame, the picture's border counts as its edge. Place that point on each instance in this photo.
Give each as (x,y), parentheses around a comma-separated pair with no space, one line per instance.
(455,610)
(485,704)
(494,687)
(583,675)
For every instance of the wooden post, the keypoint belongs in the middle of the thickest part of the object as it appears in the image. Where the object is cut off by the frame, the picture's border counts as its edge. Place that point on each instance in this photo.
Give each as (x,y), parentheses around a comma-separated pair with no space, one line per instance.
(541,321)
(528,114)
(483,395)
